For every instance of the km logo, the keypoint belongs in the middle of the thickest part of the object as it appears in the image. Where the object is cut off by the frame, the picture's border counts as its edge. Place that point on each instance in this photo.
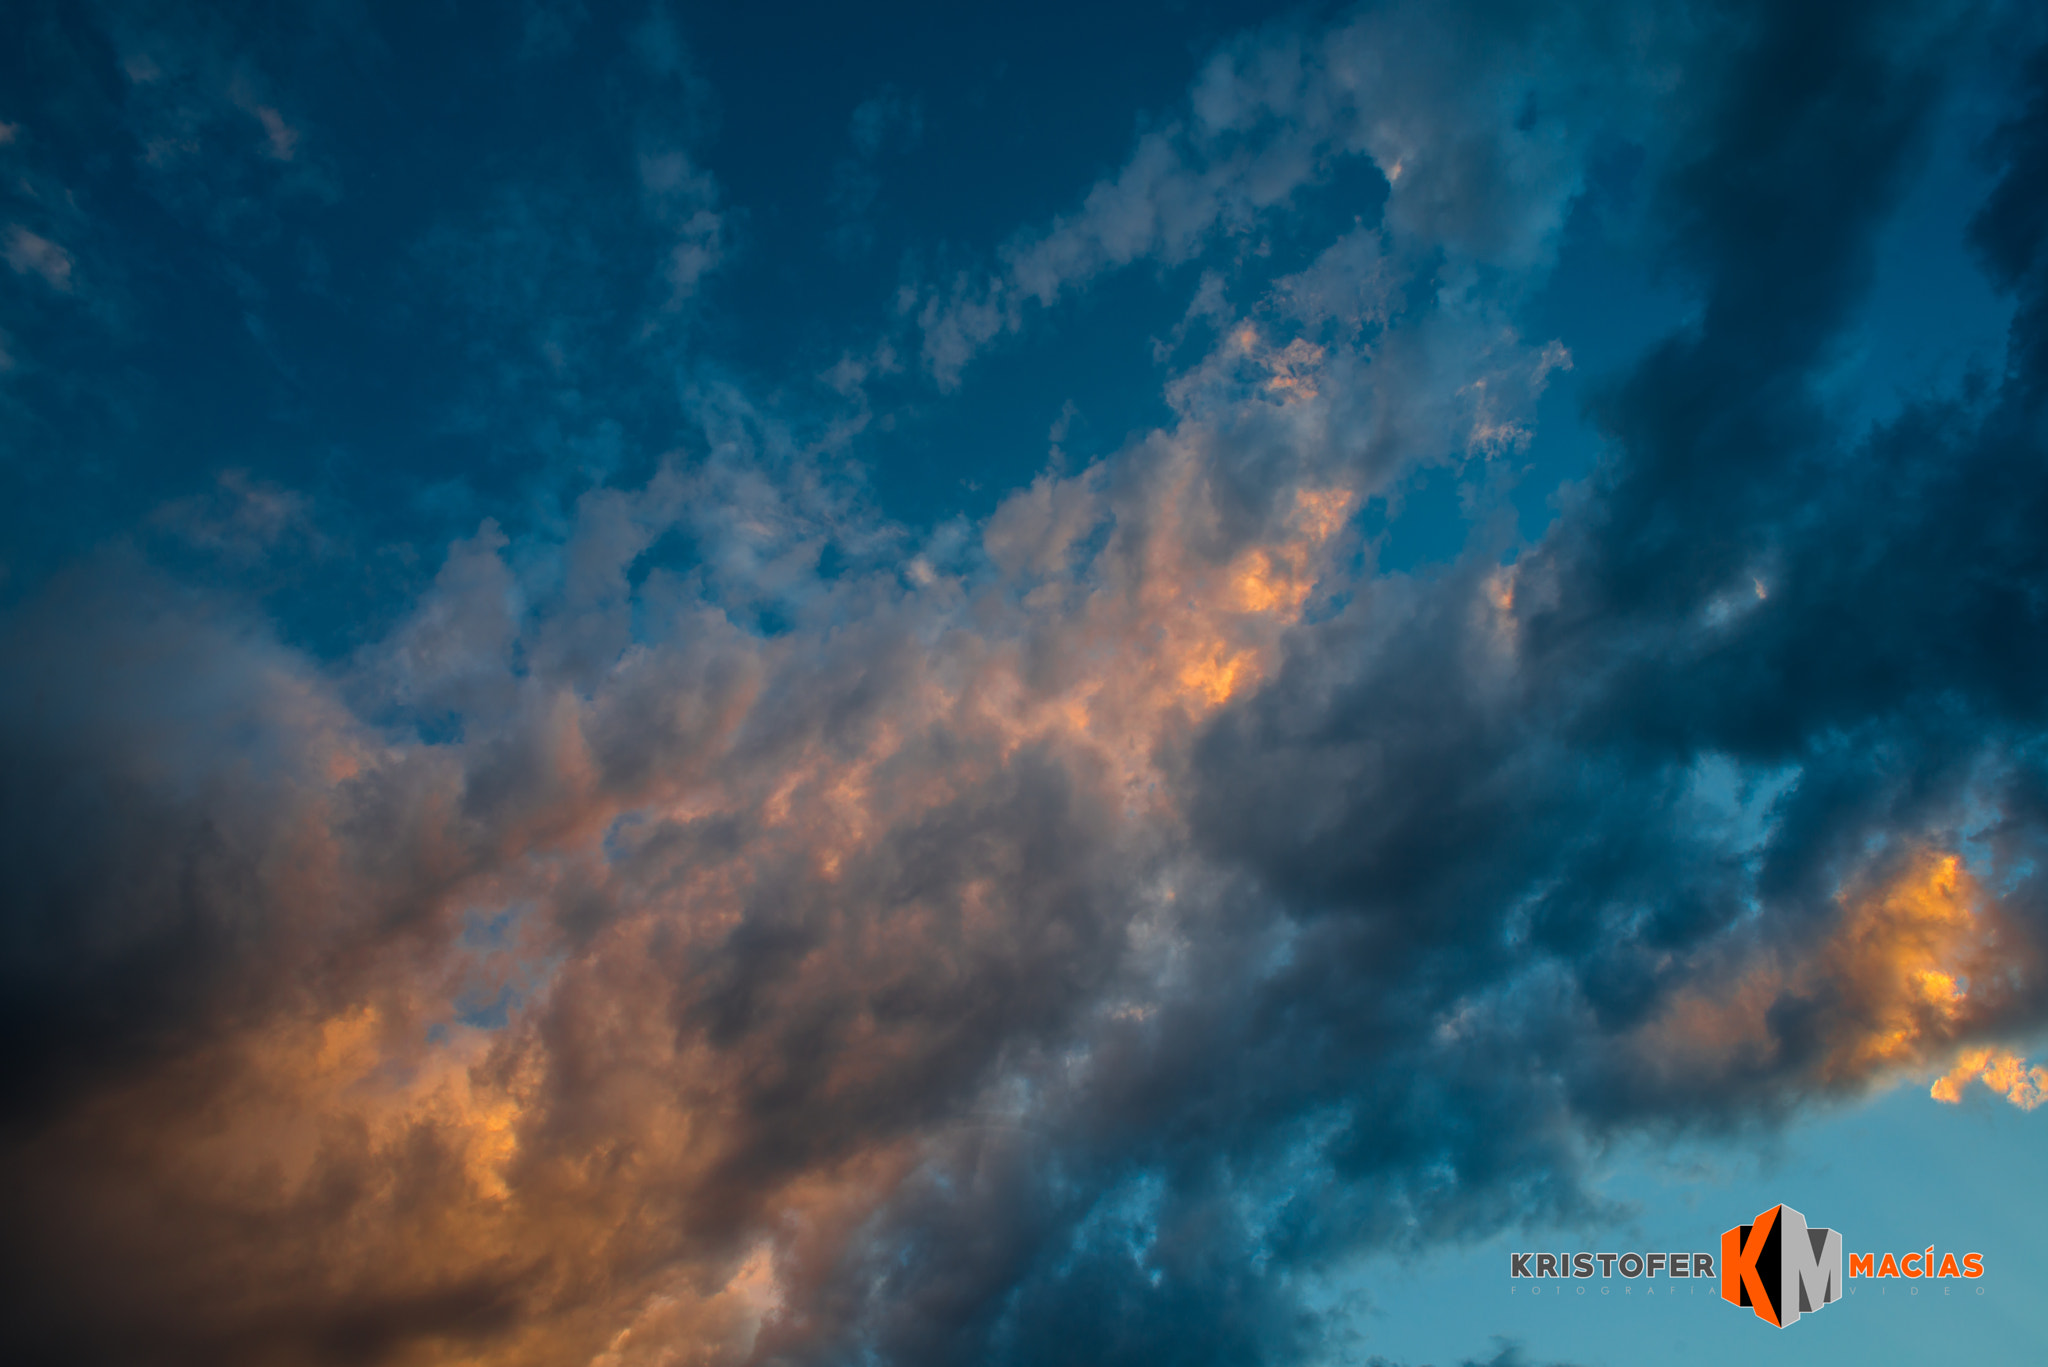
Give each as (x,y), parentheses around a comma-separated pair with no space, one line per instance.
(1780,1266)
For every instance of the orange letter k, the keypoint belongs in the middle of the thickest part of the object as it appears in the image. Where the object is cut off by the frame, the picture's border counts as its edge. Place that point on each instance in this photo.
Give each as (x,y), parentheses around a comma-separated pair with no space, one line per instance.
(1738,1267)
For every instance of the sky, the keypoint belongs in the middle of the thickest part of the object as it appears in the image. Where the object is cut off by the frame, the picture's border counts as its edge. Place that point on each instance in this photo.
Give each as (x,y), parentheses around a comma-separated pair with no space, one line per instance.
(692,685)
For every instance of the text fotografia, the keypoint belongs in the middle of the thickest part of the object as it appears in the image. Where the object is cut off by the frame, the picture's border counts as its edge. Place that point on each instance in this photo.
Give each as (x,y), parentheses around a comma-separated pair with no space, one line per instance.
(1630,1265)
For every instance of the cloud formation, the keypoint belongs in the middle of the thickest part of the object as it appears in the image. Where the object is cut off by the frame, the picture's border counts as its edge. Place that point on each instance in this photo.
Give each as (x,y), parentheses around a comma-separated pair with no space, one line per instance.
(31,253)
(1069,936)
(1478,122)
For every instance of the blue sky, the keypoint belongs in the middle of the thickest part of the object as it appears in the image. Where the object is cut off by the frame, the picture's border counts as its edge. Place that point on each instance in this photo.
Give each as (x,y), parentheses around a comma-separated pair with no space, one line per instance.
(1083,684)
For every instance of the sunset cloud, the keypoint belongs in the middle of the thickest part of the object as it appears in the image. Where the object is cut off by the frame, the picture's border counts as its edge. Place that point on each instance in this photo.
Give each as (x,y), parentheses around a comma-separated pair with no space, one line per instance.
(638,899)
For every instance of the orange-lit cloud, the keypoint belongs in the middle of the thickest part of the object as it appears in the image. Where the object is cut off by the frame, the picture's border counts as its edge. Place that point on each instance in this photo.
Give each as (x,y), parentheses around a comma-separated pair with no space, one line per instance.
(2002,1072)
(1909,968)
(772,909)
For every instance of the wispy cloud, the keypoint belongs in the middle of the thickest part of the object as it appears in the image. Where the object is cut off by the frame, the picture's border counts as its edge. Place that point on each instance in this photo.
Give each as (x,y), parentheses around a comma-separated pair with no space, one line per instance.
(1271,116)
(33,254)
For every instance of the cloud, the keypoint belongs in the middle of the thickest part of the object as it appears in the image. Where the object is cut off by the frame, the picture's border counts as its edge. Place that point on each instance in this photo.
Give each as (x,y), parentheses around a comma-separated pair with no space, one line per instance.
(887,117)
(215,141)
(32,254)
(1510,1355)
(1075,934)
(1275,112)
(243,520)
(282,137)
(2003,1072)
(685,199)
(886,121)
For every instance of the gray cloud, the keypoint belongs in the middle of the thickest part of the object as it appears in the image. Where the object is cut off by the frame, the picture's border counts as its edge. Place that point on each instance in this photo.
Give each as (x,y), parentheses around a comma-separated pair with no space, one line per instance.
(1477,118)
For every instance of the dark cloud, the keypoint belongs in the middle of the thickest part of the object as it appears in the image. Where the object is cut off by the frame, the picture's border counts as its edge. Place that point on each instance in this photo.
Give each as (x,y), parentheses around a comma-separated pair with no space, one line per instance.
(1742,583)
